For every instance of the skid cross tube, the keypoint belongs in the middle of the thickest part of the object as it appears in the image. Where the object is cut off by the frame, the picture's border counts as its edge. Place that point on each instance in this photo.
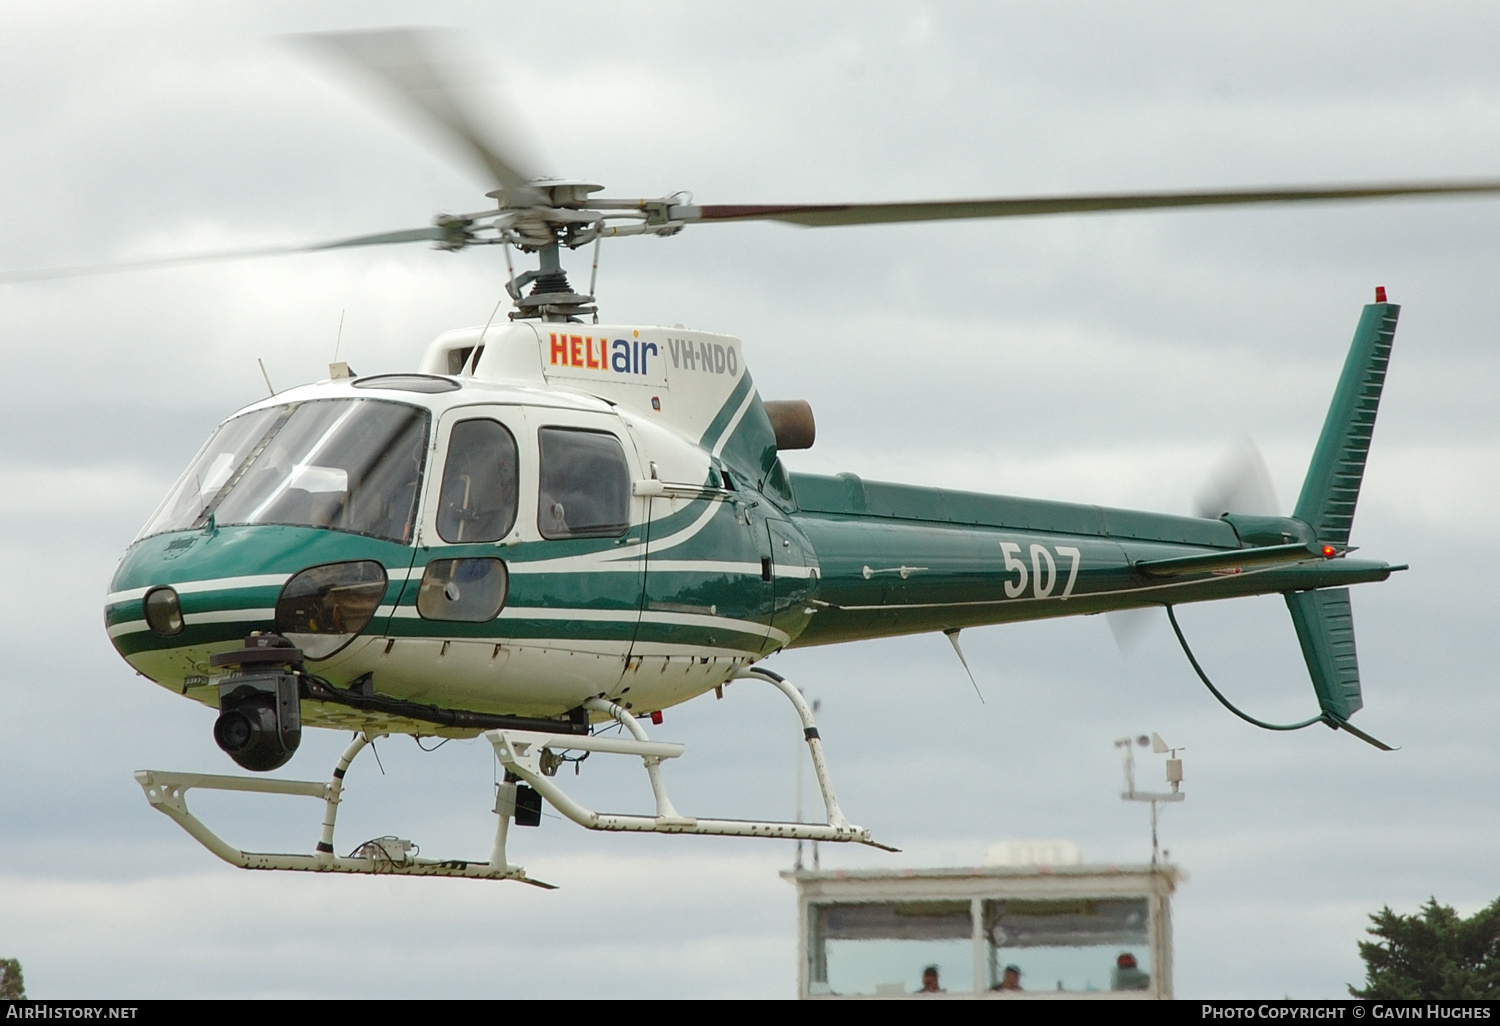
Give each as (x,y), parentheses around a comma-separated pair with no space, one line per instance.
(167,793)
(810,733)
(520,752)
(665,811)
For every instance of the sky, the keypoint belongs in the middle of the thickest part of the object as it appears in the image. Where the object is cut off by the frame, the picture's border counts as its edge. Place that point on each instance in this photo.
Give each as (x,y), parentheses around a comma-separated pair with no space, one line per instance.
(1111,359)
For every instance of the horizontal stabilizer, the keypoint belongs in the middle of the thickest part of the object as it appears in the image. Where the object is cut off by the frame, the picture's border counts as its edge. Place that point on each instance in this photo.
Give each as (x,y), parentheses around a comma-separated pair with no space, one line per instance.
(1230,560)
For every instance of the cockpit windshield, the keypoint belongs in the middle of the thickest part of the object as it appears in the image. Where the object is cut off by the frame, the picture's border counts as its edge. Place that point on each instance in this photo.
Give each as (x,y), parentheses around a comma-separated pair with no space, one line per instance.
(343,464)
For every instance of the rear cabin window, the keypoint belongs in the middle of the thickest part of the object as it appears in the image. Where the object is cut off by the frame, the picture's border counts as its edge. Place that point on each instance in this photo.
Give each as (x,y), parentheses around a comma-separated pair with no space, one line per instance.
(479,483)
(585,485)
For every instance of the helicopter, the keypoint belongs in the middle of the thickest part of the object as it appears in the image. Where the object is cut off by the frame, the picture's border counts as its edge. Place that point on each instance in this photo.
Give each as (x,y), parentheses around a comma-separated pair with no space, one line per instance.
(556,523)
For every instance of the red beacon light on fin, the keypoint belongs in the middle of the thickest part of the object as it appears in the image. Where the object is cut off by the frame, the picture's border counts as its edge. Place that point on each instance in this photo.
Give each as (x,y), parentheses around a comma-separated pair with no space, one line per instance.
(1380,294)
(1329,552)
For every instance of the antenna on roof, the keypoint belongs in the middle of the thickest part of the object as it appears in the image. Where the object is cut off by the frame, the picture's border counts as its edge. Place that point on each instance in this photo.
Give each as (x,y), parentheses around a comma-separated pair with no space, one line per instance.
(339,369)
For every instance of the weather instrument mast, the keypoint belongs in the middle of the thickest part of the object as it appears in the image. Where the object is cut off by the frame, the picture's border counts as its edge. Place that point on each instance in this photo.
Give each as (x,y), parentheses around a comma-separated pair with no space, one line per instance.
(1174,779)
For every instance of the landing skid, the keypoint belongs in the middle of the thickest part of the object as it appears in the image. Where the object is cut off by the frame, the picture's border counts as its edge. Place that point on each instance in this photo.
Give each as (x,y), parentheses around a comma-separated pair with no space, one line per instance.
(167,793)
(521,752)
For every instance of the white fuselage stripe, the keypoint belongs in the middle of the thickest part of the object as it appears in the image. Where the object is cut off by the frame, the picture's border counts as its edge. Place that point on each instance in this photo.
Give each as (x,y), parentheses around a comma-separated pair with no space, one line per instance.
(1032,600)
(228,616)
(663,566)
(699,620)
(197,587)
(212,616)
(627,616)
(626,557)
(734,422)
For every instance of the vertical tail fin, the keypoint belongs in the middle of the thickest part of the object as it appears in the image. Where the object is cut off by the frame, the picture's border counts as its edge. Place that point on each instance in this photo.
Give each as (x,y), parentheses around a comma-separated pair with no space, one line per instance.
(1325,627)
(1331,489)
(1324,620)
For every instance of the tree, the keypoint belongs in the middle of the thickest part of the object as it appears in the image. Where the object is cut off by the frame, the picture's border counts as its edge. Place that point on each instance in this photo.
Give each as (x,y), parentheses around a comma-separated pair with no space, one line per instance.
(12,986)
(1434,954)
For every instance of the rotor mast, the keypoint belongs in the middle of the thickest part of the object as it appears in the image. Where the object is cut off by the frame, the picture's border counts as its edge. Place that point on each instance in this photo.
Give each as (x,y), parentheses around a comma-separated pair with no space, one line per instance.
(542,218)
(545,215)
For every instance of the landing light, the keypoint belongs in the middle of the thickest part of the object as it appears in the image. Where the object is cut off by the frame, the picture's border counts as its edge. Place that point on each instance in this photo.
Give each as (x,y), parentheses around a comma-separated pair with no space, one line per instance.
(163,612)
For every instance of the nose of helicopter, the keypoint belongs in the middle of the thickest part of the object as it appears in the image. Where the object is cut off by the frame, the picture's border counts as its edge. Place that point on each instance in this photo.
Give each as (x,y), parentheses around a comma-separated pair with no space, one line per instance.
(177,599)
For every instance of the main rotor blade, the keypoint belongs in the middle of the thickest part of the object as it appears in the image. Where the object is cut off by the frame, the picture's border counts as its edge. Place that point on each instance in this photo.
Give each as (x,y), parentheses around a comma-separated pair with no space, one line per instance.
(433,233)
(411,64)
(830,214)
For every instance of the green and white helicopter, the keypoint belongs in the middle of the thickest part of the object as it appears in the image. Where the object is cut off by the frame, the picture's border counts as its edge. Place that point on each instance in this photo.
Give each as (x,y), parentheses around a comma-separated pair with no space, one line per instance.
(556,524)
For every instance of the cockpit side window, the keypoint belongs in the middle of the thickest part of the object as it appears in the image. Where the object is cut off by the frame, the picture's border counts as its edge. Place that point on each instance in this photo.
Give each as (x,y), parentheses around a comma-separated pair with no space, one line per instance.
(203,484)
(585,484)
(478,502)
